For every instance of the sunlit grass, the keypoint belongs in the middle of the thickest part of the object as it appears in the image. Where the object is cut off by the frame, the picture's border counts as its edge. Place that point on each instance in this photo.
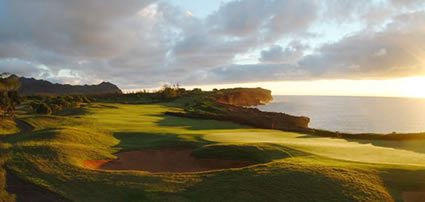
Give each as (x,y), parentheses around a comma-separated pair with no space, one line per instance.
(7,127)
(351,150)
(301,166)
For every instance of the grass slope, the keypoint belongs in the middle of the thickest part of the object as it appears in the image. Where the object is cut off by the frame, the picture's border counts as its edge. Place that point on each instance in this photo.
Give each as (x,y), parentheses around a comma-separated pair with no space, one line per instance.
(7,127)
(350,150)
(292,167)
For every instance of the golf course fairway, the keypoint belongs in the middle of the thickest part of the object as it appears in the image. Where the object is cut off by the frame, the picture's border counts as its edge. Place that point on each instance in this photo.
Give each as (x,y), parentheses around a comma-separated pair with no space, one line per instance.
(283,166)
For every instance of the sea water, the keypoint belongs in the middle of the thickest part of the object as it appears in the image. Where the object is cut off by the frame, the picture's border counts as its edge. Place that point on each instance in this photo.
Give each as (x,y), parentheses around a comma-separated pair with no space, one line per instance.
(355,114)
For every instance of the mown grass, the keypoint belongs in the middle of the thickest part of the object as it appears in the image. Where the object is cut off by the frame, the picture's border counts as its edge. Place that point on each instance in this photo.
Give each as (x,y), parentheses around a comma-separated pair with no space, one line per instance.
(349,150)
(291,166)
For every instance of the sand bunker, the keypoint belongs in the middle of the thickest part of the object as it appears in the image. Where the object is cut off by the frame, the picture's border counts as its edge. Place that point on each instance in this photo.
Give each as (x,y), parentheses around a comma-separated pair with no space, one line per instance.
(163,160)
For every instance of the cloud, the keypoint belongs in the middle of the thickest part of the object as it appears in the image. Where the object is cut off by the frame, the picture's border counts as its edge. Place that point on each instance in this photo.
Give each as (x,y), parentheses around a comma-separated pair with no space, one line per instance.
(290,55)
(382,52)
(265,19)
(408,3)
(20,67)
(188,13)
(393,52)
(69,27)
(247,73)
(400,52)
(143,43)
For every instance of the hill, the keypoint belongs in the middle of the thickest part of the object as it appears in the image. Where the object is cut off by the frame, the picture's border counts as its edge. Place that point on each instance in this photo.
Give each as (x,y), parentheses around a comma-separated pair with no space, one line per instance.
(32,86)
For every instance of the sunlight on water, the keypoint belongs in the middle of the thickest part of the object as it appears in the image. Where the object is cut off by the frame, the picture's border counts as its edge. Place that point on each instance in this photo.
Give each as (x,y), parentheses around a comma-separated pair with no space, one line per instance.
(355,114)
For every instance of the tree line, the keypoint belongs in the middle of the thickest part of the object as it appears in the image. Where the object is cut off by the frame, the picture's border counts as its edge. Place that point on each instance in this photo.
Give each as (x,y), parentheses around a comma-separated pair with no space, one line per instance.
(54,105)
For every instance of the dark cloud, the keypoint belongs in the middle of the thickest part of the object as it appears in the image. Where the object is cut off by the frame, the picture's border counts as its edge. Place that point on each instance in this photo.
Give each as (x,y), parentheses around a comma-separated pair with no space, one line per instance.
(89,28)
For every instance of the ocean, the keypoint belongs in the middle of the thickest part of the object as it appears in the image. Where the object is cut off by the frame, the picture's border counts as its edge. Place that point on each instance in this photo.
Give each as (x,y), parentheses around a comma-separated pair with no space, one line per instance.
(355,114)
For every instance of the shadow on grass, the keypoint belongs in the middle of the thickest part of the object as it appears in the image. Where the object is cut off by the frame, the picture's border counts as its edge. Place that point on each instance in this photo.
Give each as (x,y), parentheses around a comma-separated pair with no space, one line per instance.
(138,141)
(74,111)
(399,180)
(197,124)
(409,145)
(40,135)
(414,145)
(305,136)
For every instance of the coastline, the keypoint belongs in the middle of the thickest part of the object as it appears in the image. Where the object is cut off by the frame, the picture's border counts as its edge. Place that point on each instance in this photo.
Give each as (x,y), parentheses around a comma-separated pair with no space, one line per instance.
(355,115)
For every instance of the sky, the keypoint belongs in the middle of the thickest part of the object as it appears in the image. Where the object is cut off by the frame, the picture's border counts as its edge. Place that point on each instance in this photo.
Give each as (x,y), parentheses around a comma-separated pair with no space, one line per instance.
(298,47)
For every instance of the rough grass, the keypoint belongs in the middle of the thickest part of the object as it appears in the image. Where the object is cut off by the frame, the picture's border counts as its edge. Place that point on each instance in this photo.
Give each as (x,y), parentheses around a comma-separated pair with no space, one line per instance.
(7,127)
(299,168)
(4,195)
(295,179)
(254,152)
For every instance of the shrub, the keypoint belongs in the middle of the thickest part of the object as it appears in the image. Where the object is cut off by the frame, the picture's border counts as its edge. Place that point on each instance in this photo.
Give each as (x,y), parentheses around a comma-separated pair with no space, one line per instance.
(92,99)
(75,105)
(56,108)
(43,108)
(85,99)
(69,98)
(197,90)
(59,100)
(9,96)
(77,99)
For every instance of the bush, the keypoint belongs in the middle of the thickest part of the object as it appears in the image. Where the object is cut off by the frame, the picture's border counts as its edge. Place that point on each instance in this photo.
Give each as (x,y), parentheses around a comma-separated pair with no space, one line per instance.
(76,105)
(85,99)
(43,108)
(77,99)
(58,100)
(56,108)
(69,98)
(9,96)
(48,105)
(92,99)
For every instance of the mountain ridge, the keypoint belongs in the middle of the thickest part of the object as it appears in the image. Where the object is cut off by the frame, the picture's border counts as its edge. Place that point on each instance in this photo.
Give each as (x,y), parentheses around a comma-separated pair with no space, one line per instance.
(32,86)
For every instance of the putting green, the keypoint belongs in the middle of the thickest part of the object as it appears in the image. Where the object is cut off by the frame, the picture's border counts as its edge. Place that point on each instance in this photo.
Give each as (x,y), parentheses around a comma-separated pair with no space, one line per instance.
(328,147)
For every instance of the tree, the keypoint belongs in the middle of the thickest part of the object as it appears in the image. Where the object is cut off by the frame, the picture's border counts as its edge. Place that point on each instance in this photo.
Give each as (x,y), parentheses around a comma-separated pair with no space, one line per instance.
(168,92)
(9,96)
(43,108)
(9,82)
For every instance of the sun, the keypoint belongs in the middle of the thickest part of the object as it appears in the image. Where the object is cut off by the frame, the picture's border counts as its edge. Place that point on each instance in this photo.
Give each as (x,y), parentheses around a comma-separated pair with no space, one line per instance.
(414,87)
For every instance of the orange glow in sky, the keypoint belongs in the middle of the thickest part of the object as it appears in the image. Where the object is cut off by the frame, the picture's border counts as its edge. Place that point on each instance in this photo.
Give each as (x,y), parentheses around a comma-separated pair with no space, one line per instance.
(403,87)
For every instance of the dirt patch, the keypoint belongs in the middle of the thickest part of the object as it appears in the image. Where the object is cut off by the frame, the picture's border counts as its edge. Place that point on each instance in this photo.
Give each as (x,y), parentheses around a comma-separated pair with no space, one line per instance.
(414,196)
(95,164)
(164,160)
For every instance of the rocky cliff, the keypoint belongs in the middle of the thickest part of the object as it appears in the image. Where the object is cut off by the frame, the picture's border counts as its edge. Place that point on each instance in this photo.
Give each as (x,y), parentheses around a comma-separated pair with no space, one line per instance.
(250,116)
(244,96)
(231,105)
